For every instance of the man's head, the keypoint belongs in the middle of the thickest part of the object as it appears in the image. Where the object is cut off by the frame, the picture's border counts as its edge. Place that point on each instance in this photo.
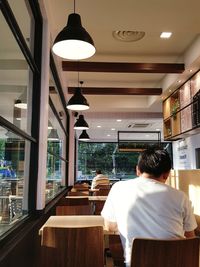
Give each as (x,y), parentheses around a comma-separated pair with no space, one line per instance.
(154,162)
(98,171)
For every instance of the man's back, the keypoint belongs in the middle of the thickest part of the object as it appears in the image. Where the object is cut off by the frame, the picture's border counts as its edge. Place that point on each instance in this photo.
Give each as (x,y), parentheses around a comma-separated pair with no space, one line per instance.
(147,208)
(99,179)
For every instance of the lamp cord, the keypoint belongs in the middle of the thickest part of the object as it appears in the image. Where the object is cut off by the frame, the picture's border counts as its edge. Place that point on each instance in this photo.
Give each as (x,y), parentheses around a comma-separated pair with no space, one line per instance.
(74,6)
(78,78)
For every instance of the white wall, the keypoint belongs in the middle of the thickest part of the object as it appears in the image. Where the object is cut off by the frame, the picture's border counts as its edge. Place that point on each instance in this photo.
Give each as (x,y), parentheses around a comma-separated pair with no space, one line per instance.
(184,152)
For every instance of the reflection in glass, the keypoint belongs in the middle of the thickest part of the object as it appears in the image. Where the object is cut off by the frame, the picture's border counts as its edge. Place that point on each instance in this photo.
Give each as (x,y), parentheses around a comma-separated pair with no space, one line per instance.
(54,172)
(15,80)
(12,178)
(55,98)
(25,22)
(53,135)
(55,154)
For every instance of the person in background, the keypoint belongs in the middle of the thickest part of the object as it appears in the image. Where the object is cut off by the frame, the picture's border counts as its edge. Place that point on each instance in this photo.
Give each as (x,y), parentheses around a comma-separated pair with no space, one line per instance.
(146,207)
(99,179)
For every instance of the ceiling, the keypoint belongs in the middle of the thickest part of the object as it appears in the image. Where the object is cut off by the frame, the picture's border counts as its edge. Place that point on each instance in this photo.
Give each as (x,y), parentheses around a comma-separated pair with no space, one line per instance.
(100,19)
(119,89)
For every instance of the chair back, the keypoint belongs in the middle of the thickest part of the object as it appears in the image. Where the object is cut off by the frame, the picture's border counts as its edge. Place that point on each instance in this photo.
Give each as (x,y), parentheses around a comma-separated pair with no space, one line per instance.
(104,190)
(78,193)
(116,250)
(81,187)
(165,253)
(74,210)
(83,200)
(73,247)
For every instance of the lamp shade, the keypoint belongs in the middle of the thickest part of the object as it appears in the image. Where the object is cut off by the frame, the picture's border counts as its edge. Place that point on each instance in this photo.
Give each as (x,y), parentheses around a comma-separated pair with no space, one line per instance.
(78,101)
(53,135)
(21,102)
(84,136)
(74,42)
(81,124)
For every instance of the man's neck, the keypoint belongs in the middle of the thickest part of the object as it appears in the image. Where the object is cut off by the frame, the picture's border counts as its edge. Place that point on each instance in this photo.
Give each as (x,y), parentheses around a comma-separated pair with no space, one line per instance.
(160,179)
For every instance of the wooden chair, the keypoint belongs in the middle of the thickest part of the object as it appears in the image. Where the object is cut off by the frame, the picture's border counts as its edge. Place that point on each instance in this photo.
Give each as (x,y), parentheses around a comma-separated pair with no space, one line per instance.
(165,253)
(116,250)
(74,210)
(73,247)
(81,187)
(78,193)
(103,191)
(83,200)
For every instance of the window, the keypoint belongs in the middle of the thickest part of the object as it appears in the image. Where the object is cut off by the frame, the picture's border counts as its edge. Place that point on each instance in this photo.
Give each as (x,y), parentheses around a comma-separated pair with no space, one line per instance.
(105,156)
(115,164)
(55,178)
(13,177)
(56,146)
(20,67)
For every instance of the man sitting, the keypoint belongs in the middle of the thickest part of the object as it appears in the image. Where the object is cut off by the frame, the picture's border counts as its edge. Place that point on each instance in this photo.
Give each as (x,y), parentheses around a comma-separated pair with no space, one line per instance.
(146,207)
(99,179)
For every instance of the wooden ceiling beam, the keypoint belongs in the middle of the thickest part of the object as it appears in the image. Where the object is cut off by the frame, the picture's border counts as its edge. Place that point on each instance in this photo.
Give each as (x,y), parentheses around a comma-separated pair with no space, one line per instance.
(122,67)
(117,91)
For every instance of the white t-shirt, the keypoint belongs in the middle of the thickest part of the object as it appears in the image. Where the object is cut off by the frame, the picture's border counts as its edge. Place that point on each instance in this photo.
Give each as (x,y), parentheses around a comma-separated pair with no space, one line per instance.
(144,207)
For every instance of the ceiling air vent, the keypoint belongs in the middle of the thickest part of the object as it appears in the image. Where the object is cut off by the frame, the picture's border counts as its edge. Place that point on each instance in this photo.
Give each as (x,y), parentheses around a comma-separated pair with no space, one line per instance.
(138,125)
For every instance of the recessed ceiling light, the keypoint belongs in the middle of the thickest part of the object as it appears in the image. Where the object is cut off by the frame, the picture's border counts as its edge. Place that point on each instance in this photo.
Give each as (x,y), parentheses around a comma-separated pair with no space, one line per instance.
(108,134)
(190,70)
(119,120)
(157,129)
(179,81)
(165,35)
(98,126)
(112,129)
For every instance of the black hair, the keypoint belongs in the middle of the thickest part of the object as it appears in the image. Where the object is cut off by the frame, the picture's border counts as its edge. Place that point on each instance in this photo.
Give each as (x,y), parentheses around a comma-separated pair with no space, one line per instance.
(154,162)
(98,171)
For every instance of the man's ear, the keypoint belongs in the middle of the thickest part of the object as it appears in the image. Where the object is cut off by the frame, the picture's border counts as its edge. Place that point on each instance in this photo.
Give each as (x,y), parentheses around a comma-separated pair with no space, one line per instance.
(165,175)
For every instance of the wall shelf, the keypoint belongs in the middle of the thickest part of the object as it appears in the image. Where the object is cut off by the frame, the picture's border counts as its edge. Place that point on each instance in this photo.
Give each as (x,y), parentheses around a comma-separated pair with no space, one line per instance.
(181,110)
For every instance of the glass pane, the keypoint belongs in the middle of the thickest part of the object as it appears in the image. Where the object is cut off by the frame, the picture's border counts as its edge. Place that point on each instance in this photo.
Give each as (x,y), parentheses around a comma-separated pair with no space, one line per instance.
(55,135)
(15,81)
(54,176)
(107,157)
(14,153)
(25,22)
(56,101)
(55,164)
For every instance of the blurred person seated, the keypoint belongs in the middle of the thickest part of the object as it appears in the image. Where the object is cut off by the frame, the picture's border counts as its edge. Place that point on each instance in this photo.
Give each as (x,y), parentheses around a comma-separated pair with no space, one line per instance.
(99,179)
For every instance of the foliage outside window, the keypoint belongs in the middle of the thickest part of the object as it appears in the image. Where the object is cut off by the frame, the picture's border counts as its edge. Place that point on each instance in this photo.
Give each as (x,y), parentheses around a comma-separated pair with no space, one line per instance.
(105,156)
(115,164)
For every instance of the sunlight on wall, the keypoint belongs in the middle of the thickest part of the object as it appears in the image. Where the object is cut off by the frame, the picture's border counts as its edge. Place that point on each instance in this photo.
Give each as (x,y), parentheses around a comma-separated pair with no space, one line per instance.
(173,179)
(194,196)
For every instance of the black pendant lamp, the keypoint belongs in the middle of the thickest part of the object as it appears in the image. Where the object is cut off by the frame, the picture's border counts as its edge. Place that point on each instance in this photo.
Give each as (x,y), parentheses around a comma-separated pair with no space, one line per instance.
(81,124)
(21,102)
(74,42)
(78,101)
(84,136)
(53,135)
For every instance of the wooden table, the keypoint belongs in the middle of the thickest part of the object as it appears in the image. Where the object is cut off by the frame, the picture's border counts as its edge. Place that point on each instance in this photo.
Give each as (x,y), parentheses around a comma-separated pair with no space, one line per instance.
(74,221)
